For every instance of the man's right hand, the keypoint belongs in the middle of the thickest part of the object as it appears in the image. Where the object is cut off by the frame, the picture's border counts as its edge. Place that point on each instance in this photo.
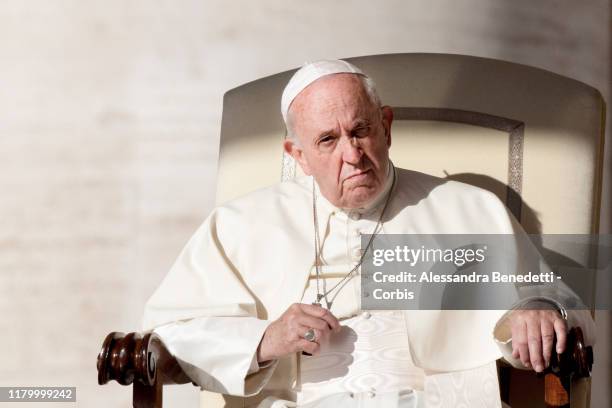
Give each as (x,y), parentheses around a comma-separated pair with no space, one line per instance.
(286,334)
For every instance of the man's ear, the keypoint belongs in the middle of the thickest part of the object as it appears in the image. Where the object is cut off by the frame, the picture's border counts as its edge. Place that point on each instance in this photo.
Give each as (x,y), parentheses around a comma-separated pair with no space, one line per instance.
(387,119)
(293,149)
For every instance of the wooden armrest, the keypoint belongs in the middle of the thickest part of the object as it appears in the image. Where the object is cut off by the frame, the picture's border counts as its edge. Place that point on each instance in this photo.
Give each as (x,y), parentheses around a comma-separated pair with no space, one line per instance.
(520,388)
(576,362)
(141,359)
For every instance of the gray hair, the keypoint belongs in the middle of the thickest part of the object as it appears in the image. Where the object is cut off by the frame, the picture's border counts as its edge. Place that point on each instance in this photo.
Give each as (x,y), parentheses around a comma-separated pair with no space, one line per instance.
(368,85)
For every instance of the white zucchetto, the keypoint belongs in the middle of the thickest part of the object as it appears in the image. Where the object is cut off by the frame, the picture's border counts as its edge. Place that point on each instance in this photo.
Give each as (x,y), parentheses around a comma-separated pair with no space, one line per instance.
(309,73)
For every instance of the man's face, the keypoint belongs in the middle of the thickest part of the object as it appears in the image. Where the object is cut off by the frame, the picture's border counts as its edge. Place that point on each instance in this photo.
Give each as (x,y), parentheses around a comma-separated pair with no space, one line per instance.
(344,139)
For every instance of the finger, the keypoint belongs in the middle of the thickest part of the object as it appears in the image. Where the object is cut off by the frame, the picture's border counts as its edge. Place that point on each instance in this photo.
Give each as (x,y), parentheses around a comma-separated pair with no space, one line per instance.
(561,331)
(311,347)
(312,322)
(514,343)
(519,342)
(515,340)
(322,313)
(548,337)
(534,341)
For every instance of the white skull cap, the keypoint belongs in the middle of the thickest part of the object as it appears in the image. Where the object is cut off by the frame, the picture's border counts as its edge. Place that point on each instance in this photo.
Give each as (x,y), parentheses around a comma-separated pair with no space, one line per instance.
(309,73)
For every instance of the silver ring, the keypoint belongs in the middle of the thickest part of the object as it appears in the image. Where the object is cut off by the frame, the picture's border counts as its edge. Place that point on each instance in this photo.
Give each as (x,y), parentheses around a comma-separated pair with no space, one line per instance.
(310,335)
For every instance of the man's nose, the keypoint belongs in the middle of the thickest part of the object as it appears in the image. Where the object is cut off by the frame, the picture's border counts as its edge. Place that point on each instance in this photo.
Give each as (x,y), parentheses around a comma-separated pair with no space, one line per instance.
(351,151)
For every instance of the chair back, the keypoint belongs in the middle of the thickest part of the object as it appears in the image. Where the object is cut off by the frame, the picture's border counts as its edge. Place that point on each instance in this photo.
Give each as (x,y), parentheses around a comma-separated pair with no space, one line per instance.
(532,137)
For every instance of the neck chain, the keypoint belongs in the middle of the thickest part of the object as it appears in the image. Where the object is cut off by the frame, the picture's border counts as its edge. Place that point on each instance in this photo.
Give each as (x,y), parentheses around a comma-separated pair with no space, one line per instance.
(317,246)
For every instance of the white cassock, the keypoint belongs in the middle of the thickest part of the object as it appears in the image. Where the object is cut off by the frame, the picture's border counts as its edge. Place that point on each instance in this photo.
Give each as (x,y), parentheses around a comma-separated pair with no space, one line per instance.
(254,256)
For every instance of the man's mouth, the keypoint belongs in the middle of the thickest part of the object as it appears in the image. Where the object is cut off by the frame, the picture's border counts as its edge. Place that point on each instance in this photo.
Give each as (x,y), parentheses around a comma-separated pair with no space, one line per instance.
(358,175)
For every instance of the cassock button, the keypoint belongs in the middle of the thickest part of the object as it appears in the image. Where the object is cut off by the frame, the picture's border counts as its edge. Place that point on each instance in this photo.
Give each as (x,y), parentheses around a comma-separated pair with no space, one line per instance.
(355,216)
(371,394)
(366,315)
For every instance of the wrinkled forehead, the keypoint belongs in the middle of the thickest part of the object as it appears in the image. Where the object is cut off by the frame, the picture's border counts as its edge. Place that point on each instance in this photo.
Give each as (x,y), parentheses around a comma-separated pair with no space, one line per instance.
(333,98)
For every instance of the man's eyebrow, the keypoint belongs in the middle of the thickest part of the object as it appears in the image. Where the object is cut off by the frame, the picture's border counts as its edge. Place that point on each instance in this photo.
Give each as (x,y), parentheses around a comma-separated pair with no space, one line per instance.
(361,123)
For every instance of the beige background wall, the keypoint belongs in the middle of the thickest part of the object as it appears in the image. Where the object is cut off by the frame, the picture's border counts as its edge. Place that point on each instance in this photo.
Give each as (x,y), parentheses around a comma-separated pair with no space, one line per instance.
(109,123)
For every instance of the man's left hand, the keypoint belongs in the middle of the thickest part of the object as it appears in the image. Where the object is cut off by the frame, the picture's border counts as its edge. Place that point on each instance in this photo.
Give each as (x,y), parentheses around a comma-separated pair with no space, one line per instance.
(533,334)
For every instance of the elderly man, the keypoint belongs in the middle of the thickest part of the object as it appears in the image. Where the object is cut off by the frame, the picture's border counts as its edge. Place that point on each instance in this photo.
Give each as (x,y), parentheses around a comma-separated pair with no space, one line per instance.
(263,304)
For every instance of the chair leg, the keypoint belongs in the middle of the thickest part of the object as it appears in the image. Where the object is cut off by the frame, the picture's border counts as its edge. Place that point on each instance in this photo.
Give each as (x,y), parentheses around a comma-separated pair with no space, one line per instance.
(148,396)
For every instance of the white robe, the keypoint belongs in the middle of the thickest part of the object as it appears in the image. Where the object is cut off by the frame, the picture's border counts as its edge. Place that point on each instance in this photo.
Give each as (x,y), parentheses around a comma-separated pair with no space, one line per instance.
(252,258)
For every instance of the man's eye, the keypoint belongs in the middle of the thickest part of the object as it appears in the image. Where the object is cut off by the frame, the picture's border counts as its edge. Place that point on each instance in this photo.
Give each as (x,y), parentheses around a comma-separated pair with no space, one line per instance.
(326,140)
(361,131)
